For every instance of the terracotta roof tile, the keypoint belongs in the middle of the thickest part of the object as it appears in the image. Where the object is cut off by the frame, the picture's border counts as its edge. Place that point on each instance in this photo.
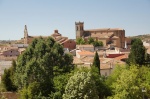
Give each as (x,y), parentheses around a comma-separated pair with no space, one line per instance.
(84,45)
(105,29)
(125,56)
(85,53)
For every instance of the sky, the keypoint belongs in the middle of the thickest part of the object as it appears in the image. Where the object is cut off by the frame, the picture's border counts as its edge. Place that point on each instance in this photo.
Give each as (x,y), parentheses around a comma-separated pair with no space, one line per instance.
(42,17)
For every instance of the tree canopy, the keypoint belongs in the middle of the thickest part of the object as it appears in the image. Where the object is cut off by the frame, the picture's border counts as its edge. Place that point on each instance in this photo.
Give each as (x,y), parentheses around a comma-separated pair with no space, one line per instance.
(8,78)
(96,61)
(128,82)
(90,40)
(81,86)
(38,64)
(137,53)
(80,41)
(97,43)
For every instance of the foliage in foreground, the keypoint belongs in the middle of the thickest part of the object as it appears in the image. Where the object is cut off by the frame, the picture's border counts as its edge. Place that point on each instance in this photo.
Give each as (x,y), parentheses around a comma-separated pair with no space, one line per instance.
(96,61)
(137,53)
(127,82)
(83,81)
(8,78)
(81,86)
(38,65)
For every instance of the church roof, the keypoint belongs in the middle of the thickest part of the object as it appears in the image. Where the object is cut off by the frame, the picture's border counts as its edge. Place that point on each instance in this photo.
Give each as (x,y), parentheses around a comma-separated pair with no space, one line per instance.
(105,29)
(101,35)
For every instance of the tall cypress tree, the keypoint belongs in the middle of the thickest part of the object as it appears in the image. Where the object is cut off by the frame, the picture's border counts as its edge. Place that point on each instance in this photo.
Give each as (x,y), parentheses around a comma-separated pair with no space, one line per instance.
(96,61)
(137,53)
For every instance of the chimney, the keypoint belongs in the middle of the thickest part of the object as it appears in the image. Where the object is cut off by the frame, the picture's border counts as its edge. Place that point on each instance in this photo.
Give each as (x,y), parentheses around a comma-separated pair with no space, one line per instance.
(55,31)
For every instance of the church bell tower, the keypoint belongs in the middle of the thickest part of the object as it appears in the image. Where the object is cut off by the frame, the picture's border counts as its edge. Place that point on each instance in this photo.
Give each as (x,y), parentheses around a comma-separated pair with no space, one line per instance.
(25,35)
(79,26)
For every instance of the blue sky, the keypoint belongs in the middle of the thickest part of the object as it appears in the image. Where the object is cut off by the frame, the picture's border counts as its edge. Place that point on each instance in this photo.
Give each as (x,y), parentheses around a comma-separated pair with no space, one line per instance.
(42,17)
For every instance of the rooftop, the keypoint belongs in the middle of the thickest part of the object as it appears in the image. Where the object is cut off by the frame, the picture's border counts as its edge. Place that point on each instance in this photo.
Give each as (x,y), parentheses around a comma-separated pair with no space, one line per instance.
(83,52)
(89,45)
(105,29)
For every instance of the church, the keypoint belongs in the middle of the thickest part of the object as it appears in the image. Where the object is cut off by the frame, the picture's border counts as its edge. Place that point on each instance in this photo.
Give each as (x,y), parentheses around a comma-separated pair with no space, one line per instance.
(109,36)
(64,41)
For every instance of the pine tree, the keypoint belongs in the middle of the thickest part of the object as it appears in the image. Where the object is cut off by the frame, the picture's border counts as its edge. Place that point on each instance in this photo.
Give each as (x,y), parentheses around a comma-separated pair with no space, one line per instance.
(96,61)
(137,53)
(8,78)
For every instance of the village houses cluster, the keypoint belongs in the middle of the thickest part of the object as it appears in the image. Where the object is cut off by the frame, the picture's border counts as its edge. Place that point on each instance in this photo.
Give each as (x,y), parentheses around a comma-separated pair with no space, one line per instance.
(115,49)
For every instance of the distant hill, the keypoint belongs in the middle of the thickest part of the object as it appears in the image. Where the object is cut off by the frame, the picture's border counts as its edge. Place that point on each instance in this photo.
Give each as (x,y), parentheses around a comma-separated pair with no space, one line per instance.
(6,42)
(145,37)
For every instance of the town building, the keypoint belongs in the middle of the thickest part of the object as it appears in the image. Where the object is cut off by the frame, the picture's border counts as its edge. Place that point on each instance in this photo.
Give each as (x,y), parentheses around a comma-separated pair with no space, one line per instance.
(107,65)
(64,41)
(9,53)
(85,47)
(109,36)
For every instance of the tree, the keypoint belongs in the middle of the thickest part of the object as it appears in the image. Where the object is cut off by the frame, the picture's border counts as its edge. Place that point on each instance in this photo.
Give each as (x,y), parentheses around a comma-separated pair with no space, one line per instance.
(97,43)
(60,83)
(137,53)
(147,60)
(126,87)
(81,86)
(100,82)
(96,61)
(80,41)
(90,40)
(38,63)
(128,83)
(8,78)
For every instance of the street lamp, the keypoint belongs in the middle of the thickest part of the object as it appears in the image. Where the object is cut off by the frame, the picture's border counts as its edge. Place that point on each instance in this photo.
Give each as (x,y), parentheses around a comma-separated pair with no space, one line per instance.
(143,91)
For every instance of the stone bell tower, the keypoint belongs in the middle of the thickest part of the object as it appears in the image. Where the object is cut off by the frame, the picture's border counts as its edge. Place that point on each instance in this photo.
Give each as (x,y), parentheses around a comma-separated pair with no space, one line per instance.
(25,35)
(79,26)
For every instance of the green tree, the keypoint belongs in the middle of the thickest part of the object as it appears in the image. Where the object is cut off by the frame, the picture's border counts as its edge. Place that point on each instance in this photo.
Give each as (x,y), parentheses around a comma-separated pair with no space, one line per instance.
(80,41)
(60,83)
(81,86)
(114,76)
(100,82)
(147,60)
(144,80)
(8,78)
(97,43)
(128,82)
(137,53)
(96,61)
(90,40)
(38,63)
(126,87)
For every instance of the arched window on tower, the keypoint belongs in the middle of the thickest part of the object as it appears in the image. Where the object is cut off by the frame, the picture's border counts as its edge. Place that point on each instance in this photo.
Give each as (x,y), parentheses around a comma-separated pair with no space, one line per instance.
(77,28)
(82,28)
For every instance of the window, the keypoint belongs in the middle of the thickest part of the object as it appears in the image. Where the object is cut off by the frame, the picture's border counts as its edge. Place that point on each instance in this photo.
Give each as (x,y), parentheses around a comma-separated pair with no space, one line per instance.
(77,28)
(81,28)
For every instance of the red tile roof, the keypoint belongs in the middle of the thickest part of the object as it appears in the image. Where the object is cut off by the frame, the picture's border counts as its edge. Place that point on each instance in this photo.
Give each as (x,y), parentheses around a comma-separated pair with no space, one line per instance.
(83,52)
(114,55)
(125,56)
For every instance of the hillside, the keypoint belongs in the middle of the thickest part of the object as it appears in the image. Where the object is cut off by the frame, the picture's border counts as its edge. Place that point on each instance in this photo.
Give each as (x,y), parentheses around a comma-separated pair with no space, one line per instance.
(145,37)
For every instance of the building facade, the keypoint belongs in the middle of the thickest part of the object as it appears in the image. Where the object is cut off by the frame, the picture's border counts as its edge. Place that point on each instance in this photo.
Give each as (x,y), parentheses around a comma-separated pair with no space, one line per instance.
(109,36)
(64,41)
